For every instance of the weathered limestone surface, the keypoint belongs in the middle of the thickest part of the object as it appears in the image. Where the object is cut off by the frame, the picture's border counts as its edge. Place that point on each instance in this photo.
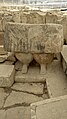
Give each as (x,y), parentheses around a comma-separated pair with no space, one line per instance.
(16,98)
(3,96)
(33,17)
(54,108)
(1,18)
(58,18)
(37,38)
(2,51)
(1,38)
(64,58)
(6,75)
(35,88)
(18,66)
(16,113)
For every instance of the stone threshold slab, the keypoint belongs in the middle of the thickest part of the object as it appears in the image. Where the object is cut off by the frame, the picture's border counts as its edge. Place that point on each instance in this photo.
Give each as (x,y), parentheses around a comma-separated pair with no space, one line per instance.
(54,108)
(33,76)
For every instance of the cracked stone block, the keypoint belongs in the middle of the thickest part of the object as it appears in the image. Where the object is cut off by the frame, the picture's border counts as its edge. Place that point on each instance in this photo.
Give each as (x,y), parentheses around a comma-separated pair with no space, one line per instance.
(3,96)
(17,98)
(33,38)
(35,88)
(64,58)
(7,73)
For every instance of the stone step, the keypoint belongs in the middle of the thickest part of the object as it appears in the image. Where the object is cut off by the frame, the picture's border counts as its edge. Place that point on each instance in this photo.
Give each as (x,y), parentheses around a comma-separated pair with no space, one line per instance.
(56,80)
(32,76)
(64,58)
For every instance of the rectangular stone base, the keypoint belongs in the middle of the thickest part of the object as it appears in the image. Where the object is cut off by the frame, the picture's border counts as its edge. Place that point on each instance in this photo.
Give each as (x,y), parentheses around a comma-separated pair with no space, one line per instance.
(33,75)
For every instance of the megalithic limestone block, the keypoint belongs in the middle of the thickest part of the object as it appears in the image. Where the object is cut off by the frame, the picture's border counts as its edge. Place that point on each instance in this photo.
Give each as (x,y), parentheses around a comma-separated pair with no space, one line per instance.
(38,41)
(33,38)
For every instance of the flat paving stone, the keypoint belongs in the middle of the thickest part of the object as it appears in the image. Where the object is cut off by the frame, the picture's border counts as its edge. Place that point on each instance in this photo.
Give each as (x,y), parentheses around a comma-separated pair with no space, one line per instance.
(16,98)
(54,108)
(35,88)
(16,113)
(6,75)
(3,96)
(56,80)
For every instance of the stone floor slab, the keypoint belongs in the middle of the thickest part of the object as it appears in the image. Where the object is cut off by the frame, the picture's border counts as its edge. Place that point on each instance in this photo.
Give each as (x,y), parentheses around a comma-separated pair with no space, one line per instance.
(3,96)
(19,98)
(35,88)
(54,108)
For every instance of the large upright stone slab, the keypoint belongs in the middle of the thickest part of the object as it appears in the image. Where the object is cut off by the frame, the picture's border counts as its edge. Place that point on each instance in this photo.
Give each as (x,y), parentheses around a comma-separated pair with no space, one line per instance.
(54,108)
(6,75)
(64,58)
(33,38)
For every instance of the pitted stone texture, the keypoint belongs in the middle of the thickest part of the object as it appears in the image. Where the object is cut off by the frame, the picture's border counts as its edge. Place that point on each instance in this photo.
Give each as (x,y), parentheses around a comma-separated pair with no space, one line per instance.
(43,58)
(35,88)
(33,38)
(1,38)
(18,113)
(3,96)
(6,75)
(58,18)
(1,20)
(16,98)
(33,17)
(54,108)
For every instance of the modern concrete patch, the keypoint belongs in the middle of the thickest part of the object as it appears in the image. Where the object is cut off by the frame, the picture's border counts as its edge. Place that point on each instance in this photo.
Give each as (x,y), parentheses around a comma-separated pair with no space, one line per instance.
(54,108)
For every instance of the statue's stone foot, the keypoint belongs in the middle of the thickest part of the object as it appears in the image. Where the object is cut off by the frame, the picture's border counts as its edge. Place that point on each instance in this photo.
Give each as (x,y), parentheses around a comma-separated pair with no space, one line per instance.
(24,69)
(43,69)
